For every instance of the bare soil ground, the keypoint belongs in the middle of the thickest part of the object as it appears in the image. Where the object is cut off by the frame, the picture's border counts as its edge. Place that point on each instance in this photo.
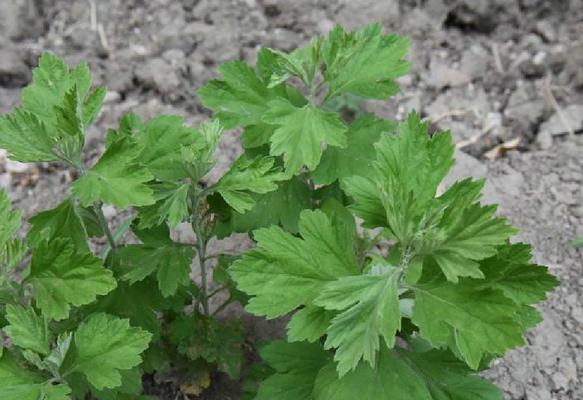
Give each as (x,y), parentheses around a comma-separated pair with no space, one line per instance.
(493,71)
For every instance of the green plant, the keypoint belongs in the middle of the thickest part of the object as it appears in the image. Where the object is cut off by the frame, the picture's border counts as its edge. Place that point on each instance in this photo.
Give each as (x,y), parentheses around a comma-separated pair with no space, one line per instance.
(406,301)
(82,317)
(395,291)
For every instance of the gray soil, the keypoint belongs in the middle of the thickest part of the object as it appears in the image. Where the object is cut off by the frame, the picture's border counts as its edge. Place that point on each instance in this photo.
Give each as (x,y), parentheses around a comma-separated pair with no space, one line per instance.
(493,71)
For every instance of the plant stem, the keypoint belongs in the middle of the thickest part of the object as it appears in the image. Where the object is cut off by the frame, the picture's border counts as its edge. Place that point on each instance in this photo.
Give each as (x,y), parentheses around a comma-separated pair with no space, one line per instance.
(104,225)
(201,250)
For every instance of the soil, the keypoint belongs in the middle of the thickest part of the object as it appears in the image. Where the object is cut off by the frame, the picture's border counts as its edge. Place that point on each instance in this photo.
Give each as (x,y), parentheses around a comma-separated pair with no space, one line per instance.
(495,72)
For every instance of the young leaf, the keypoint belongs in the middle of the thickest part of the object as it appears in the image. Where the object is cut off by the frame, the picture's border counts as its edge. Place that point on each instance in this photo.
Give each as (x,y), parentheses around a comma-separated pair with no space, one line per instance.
(479,321)
(301,133)
(27,330)
(63,275)
(359,154)
(296,366)
(364,63)
(407,172)
(118,178)
(63,221)
(56,109)
(284,272)
(405,375)
(105,346)
(369,306)
(248,176)
(240,98)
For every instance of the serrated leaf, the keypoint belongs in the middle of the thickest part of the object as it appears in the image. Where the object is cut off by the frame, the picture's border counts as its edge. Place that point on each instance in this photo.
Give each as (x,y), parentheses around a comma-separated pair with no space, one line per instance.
(302,63)
(364,63)
(279,207)
(240,98)
(465,233)
(369,309)
(27,330)
(296,366)
(248,176)
(26,137)
(309,324)
(302,132)
(56,109)
(512,272)
(479,321)
(161,139)
(62,275)
(408,170)
(63,221)
(358,155)
(117,178)
(10,222)
(17,382)
(284,271)
(171,206)
(405,375)
(170,262)
(140,303)
(105,346)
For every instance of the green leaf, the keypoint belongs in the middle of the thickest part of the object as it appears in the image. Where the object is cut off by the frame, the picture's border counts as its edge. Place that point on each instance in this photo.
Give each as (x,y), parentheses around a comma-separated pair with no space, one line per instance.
(369,306)
(285,272)
(117,178)
(63,275)
(106,346)
(247,176)
(511,272)
(364,63)
(479,321)
(10,222)
(219,343)
(359,154)
(56,109)
(296,366)
(465,233)
(578,242)
(170,261)
(301,133)
(309,324)
(27,330)
(63,221)
(302,63)
(26,137)
(407,172)
(240,98)
(405,375)
(17,382)
(140,303)
(171,206)
(161,139)
(280,207)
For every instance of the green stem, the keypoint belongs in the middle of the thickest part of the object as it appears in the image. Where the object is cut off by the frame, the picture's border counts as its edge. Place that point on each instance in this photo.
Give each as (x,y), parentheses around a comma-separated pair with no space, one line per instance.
(104,225)
(201,242)
(223,306)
